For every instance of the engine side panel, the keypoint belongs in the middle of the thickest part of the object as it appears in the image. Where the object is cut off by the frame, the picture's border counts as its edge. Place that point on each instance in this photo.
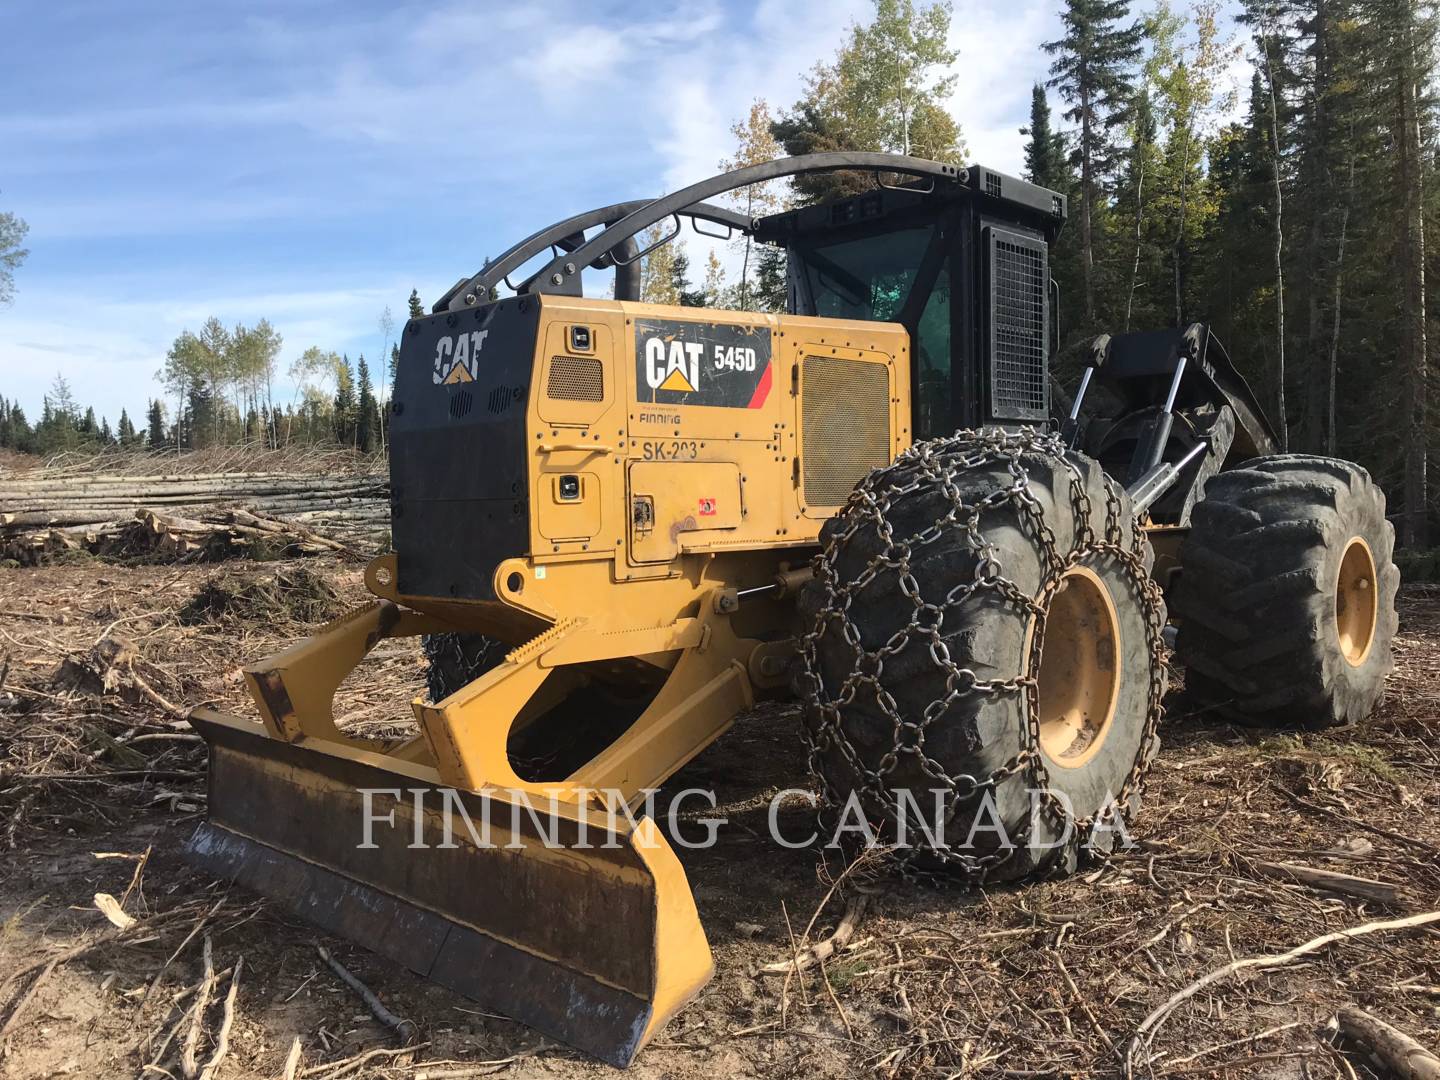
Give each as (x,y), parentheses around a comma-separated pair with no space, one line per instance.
(458,462)
(703,447)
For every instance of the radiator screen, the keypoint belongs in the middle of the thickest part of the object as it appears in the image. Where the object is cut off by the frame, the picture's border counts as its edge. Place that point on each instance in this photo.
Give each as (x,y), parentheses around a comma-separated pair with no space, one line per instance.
(845,425)
(1019,388)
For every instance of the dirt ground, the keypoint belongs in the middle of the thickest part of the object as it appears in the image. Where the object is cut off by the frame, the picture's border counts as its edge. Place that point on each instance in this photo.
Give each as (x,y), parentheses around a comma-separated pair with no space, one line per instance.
(1047,980)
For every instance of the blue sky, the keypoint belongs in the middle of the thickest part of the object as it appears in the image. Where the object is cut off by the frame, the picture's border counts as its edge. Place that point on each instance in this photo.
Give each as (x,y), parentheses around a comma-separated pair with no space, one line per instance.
(311,161)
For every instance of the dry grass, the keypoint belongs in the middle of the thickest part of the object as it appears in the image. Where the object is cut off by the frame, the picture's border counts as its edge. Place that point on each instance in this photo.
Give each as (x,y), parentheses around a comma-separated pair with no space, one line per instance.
(1052,979)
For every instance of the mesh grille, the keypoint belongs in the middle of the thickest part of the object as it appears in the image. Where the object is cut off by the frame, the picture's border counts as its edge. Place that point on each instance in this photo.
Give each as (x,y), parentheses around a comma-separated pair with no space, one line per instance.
(845,425)
(1018,387)
(576,378)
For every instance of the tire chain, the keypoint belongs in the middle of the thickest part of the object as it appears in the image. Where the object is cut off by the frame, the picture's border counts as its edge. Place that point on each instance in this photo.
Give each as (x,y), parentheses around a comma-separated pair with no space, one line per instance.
(937,463)
(446,656)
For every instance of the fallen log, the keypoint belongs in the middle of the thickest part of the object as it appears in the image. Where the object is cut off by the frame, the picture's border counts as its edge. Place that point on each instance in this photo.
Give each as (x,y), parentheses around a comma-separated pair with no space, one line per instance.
(1397,1051)
(1382,892)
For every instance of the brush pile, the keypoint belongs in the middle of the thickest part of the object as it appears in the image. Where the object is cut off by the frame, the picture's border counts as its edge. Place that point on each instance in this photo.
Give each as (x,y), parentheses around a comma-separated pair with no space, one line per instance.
(257,511)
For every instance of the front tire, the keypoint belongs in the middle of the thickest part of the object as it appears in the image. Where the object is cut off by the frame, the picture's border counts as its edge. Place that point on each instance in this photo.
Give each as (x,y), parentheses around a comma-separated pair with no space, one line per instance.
(985,636)
(1286,597)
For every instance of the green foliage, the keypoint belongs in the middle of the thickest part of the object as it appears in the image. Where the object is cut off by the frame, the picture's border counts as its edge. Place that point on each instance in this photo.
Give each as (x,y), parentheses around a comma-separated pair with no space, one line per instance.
(344,411)
(417,309)
(12,235)
(885,90)
(1045,162)
(771,284)
(15,431)
(889,79)
(367,412)
(155,425)
(665,273)
(1093,72)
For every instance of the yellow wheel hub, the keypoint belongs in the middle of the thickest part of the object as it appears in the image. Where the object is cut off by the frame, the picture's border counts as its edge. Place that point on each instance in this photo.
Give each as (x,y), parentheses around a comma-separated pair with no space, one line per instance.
(1079,675)
(1357,602)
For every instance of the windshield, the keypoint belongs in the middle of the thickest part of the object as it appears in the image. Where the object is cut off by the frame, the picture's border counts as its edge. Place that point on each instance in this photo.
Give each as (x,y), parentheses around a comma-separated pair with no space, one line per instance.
(871,278)
(868,278)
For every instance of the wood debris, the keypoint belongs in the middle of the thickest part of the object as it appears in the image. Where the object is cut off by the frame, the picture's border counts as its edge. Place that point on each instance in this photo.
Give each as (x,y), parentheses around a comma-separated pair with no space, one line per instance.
(47,514)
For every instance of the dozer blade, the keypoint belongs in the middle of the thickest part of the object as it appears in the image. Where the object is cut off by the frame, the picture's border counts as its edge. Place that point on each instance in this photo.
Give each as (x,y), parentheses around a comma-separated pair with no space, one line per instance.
(596,945)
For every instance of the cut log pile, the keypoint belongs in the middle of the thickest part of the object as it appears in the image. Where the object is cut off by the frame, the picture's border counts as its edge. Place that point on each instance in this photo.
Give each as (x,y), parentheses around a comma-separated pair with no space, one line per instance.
(198,515)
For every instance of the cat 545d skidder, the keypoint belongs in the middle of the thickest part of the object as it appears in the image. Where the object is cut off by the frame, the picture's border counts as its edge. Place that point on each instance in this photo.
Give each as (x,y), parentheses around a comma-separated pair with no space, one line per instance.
(664,513)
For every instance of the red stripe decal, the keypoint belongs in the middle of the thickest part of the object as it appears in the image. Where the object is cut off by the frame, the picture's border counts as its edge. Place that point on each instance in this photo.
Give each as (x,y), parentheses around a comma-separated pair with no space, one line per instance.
(762,391)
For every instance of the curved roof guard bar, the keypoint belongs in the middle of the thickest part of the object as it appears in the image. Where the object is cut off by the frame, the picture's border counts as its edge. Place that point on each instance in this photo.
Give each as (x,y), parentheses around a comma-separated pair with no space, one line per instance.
(558,275)
(498,269)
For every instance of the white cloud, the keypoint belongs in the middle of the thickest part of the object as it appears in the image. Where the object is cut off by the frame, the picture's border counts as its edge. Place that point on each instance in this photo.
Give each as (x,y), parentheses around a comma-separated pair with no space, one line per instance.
(1000,60)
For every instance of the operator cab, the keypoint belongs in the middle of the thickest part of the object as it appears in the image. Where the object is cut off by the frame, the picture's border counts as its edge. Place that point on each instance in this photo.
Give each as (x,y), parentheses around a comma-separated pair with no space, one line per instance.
(962,264)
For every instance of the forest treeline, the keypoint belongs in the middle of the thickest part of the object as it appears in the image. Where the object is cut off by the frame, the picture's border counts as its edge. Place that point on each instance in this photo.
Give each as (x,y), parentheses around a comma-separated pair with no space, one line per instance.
(220,385)
(1274,176)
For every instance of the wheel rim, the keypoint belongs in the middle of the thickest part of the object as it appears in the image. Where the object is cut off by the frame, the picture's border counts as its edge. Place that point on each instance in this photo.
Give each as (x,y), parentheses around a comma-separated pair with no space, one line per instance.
(1357,602)
(1078,681)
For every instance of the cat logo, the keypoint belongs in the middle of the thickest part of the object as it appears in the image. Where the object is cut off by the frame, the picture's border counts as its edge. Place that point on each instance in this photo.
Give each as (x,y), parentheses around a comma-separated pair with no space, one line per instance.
(457,357)
(672,364)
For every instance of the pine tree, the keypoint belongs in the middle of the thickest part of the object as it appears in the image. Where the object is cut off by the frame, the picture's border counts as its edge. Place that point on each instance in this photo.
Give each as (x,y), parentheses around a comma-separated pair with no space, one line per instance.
(22,437)
(155,425)
(1045,150)
(200,425)
(344,409)
(685,295)
(771,282)
(1409,37)
(125,430)
(1092,71)
(417,309)
(367,410)
(1046,164)
(62,401)
(15,433)
(1236,270)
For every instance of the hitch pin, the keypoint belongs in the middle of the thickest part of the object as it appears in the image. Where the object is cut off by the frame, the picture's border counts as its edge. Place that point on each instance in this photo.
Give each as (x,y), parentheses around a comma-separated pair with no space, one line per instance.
(785,583)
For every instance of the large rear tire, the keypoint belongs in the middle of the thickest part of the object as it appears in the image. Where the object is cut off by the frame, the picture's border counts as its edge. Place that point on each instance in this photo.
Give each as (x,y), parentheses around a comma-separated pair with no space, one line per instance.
(1286,597)
(985,651)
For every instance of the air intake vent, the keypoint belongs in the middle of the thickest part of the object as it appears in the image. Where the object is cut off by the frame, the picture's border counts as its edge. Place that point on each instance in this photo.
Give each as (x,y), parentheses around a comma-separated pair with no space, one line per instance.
(845,425)
(461,404)
(992,184)
(500,399)
(1019,389)
(576,378)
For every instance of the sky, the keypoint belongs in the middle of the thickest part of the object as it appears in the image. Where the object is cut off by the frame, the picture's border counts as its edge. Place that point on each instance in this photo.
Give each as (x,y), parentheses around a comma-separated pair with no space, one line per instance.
(311,162)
